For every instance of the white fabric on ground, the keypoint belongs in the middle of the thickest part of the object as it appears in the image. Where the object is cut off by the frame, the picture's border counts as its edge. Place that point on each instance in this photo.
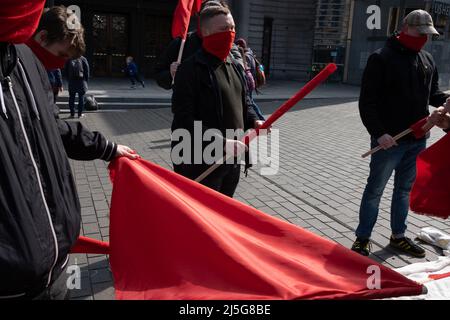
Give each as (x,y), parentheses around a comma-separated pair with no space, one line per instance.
(420,272)
(436,237)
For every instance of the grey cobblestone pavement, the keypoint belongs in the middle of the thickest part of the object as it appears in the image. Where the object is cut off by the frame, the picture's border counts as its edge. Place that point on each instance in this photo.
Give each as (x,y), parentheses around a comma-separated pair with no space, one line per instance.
(318,187)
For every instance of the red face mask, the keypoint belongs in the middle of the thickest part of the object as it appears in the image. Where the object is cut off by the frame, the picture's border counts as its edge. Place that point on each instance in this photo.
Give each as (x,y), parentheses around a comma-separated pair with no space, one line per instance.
(19,19)
(413,43)
(48,59)
(219,44)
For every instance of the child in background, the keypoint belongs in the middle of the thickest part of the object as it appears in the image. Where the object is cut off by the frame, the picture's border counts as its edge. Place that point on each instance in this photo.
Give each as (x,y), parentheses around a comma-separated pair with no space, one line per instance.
(133,73)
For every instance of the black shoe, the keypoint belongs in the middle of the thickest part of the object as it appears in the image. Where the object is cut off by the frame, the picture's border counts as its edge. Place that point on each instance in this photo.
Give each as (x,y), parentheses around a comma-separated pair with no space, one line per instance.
(362,246)
(408,246)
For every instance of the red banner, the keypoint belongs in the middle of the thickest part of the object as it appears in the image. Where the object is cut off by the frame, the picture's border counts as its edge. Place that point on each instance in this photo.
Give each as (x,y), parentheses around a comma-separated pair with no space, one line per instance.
(182,17)
(431,191)
(172,238)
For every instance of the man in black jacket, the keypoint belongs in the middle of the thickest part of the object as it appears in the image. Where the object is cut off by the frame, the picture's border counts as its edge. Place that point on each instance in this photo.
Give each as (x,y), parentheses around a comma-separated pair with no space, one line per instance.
(399,83)
(167,65)
(39,206)
(210,91)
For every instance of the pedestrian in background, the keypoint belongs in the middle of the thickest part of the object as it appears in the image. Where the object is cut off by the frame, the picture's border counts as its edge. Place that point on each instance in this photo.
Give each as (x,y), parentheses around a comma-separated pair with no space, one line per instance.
(55,78)
(132,72)
(77,73)
(250,74)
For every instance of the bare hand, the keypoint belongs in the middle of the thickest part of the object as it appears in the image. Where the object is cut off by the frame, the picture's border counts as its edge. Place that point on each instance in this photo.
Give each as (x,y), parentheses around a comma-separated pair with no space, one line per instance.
(124,151)
(386,141)
(61,89)
(173,68)
(235,147)
(447,106)
(440,118)
(259,124)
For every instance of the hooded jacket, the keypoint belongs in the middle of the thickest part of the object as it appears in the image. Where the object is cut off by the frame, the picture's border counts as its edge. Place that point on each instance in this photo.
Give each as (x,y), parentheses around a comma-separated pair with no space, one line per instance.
(39,206)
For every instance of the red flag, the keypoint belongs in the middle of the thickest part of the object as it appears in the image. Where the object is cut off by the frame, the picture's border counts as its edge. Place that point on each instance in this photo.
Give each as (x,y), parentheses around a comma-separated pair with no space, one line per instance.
(431,192)
(172,238)
(182,16)
(421,128)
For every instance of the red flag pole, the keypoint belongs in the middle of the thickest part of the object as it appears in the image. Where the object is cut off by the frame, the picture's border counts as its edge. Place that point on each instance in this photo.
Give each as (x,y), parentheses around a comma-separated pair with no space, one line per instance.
(302,93)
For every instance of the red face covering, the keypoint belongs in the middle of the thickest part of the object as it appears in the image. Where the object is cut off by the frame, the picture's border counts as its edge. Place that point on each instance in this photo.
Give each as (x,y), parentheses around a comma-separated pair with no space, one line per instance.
(19,19)
(48,59)
(413,43)
(219,44)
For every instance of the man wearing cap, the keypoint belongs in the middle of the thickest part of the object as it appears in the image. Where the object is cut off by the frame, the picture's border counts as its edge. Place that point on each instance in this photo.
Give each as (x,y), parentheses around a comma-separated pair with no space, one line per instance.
(399,83)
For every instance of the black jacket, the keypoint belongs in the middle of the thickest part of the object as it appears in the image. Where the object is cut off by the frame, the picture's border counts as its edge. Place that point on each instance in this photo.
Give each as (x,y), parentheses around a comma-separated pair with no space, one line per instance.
(397,88)
(170,55)
(39,207)
(196,97)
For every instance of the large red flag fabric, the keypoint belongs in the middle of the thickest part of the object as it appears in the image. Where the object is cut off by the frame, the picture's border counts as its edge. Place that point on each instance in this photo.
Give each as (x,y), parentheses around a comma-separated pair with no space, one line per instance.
(431,191)
(172,238)
(182,17)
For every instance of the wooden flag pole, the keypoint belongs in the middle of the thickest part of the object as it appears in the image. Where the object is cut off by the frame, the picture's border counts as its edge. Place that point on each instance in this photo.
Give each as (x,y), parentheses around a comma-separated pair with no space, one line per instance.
(180,56)
(396,138)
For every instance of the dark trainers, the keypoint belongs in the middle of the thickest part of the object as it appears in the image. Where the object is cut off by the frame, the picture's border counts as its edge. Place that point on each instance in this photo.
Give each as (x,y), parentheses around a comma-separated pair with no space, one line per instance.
(362,246)
(408,246)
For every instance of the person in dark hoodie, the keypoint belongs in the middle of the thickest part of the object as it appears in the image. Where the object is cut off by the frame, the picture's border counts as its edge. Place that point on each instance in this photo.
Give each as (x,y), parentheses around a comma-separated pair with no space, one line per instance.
(399,83)
(167,65)
(39,206)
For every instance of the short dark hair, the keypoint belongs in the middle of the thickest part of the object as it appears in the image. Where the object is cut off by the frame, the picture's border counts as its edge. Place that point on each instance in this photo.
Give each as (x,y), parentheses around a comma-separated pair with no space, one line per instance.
(54,22)
(214,3)
(210,12)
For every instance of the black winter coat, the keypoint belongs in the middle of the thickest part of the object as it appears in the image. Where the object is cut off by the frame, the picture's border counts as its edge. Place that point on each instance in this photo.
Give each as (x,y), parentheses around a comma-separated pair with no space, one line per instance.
(397,88)
(196,97)
(39,206)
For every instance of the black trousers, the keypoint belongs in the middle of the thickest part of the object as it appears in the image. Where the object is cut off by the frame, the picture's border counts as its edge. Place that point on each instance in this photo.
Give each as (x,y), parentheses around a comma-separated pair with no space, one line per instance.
(58,289)
(224,179)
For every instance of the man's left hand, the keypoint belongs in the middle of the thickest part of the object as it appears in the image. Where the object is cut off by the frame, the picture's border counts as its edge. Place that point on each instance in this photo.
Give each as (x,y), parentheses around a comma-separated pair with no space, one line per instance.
(124,151)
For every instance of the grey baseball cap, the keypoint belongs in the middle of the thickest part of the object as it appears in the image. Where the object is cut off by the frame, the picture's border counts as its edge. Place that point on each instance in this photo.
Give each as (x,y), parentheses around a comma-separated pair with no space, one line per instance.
(422,20)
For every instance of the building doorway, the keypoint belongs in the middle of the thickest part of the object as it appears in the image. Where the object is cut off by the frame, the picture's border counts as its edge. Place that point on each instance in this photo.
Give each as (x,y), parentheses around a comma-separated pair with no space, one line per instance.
(110,33)
(156,38)
(267,44)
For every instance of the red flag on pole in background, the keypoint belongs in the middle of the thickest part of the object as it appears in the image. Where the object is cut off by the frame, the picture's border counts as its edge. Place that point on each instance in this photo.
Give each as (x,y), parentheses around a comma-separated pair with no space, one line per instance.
(172,238)
(431,191)
(182,17)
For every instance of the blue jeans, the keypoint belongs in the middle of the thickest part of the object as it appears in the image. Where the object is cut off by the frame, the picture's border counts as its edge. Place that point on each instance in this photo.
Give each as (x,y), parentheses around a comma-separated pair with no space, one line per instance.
(402,159)
(72,96)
